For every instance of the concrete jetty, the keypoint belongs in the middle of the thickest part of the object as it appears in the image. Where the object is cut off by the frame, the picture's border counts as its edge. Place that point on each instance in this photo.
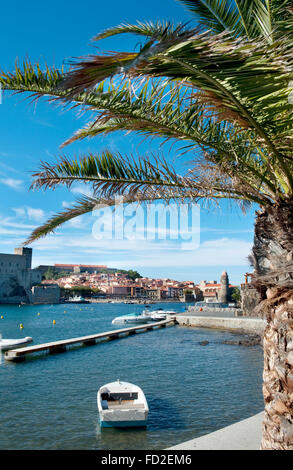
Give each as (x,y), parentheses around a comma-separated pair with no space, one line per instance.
(20,354)
(237,324)
(244,435)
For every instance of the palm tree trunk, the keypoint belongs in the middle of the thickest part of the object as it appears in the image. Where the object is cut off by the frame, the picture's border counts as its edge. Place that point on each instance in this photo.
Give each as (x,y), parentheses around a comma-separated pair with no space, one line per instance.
(273,261)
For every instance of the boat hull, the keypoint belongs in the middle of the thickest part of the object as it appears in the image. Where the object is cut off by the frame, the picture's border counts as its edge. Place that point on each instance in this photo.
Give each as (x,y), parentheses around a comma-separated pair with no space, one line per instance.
(121,321)
(122,405)
(123,417)
(158,317)
(123,424)
(5,345)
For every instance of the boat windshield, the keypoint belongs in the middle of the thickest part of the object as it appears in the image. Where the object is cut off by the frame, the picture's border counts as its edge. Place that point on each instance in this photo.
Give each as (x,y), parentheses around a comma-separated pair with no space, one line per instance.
(119,396)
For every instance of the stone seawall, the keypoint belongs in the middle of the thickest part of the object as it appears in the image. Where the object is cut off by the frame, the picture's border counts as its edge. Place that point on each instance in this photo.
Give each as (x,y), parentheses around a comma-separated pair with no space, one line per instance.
(250,298)
(229,310)
(45,294)
(240,325)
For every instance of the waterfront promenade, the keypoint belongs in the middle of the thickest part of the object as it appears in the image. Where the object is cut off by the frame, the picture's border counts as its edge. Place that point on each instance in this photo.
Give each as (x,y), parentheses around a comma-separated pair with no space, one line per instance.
(244,435)
(219,321)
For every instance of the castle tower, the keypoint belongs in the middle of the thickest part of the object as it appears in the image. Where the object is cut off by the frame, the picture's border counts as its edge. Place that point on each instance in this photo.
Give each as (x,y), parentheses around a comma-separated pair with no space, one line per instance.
(27,252)
(224,291)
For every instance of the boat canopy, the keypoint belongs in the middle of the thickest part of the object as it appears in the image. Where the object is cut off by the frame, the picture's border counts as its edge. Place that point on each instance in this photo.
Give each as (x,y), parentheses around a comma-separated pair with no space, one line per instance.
(119,396)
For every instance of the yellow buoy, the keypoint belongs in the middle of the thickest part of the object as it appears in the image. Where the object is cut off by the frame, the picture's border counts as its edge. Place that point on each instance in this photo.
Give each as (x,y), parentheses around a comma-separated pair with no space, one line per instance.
(21,326)
(2,317)
(39,313)
(54,322)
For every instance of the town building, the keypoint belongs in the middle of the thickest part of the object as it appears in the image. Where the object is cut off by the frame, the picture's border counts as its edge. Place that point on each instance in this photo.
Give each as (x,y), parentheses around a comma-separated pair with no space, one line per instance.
(113,284)
(214,292)
(210,296)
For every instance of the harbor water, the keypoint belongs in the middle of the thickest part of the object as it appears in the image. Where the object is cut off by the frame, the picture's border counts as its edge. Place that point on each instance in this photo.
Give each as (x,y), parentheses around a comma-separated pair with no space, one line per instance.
(194,384)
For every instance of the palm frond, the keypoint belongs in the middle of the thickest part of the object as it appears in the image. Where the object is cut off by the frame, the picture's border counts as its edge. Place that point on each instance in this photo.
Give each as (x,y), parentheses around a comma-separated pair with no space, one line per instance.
(241,78)
(162,30)
(235,78)
(227,96)
(245,18)
(84,75)
(245,78)
(254,19)
(32,78)
(170,111)
(110,174)
(281,13)
(141,181)
(217,15)
(176,117)
(82,206)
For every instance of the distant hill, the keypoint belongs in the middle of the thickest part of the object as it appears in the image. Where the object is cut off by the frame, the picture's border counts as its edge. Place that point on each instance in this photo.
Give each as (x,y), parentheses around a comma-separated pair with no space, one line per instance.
(55,272)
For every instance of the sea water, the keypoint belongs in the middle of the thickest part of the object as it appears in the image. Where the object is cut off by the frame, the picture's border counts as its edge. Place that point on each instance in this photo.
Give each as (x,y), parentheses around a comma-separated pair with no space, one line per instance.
(49,401)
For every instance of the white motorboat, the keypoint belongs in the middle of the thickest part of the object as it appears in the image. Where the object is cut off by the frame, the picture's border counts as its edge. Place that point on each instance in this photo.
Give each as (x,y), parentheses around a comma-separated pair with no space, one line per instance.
(77,299)
(161,314)
(167,312)
(122,404)
(158,316)
(6,344)
(146,314)
(132,318)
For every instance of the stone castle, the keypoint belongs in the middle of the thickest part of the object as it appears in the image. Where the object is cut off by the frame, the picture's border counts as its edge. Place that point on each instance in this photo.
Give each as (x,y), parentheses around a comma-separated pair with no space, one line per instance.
(19,283)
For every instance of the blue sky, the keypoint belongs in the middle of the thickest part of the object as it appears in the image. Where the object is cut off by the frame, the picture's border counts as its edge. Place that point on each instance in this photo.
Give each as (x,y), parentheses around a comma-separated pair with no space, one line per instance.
(53,33)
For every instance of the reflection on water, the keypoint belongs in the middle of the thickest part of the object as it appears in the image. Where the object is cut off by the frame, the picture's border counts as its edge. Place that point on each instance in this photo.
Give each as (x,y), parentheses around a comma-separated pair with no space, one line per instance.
(128,438)
(50,402)
(170,417)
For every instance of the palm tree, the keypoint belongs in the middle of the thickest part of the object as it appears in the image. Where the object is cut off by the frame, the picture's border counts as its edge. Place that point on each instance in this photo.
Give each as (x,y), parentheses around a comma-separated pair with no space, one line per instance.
(223,89)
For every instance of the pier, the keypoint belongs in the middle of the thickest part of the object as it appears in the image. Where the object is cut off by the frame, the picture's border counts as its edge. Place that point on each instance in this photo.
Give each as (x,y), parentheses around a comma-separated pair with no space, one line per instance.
(53,347)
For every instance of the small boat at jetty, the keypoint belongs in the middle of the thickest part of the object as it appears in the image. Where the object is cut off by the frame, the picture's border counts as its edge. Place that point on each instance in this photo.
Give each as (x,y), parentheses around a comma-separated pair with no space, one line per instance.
(78,299)
(122,404)
(133,318)
(161,314)
(158,315)
(6,344)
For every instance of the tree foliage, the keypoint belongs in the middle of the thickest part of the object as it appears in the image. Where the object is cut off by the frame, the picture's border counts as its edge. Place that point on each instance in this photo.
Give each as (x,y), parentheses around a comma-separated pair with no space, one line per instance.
(221,90)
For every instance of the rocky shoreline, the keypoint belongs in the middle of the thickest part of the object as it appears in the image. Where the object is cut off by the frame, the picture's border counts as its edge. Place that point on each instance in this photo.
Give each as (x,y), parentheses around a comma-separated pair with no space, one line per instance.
(246,340)
(247,331)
